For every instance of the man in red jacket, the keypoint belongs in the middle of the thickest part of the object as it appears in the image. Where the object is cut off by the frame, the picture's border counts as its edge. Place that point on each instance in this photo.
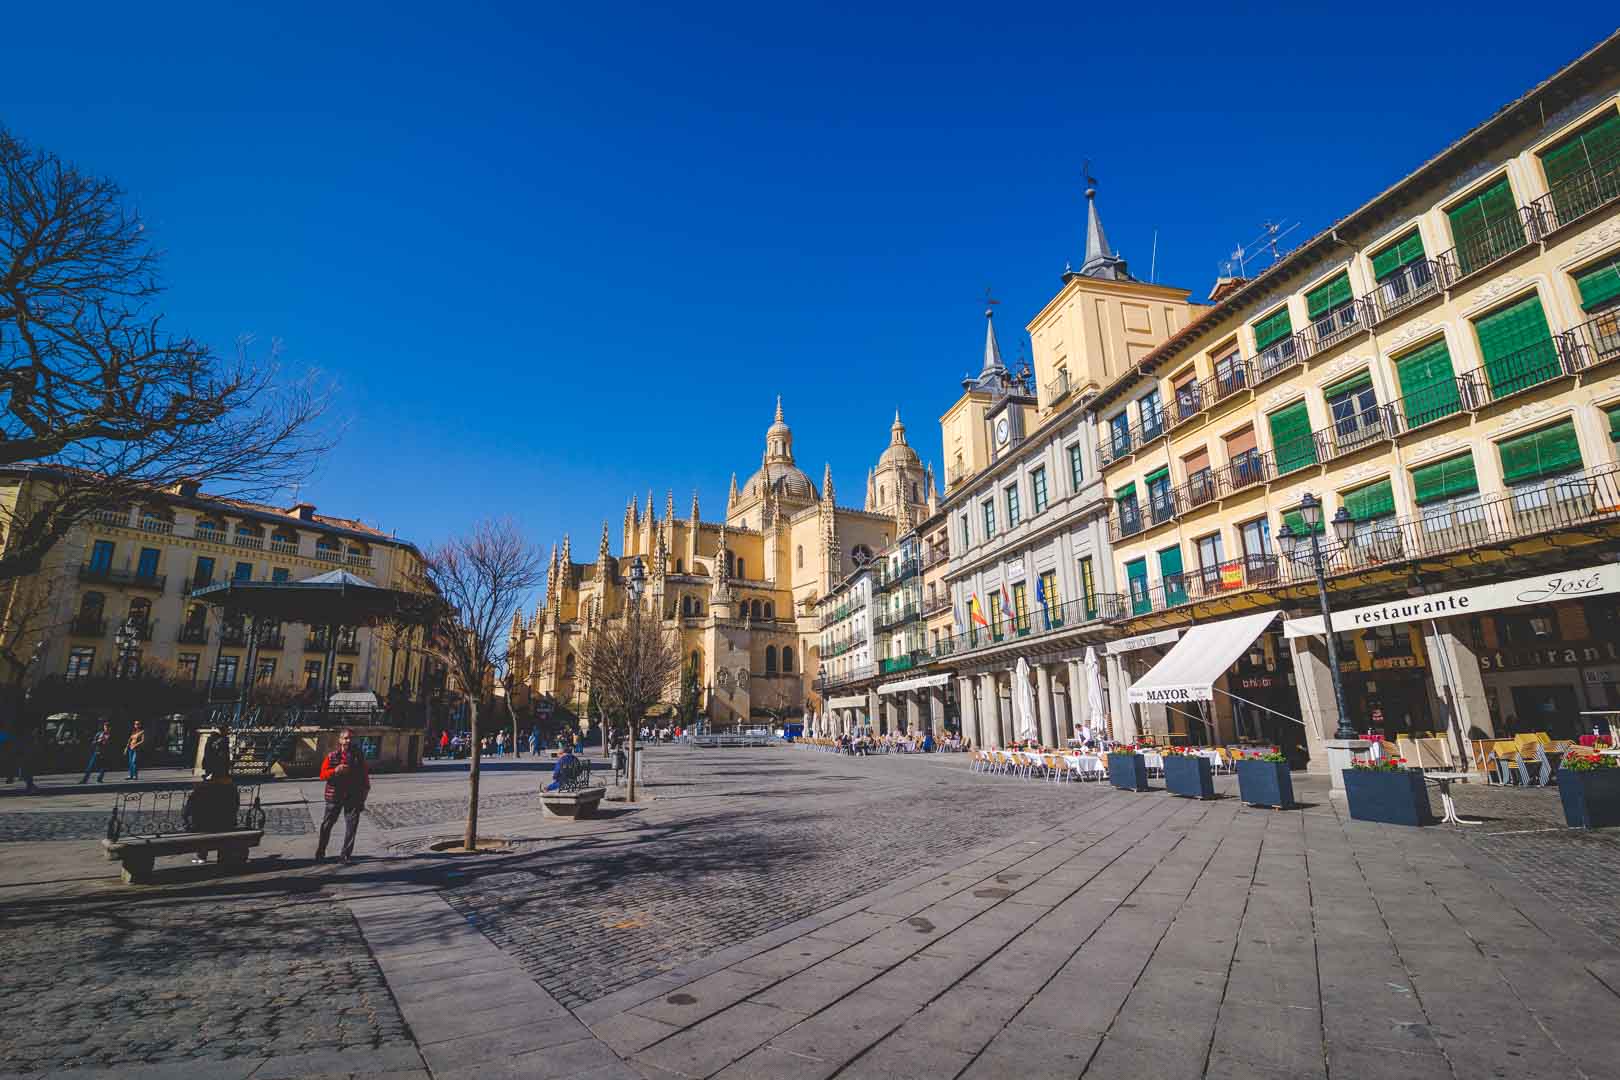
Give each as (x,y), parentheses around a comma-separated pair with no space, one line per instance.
(347,784)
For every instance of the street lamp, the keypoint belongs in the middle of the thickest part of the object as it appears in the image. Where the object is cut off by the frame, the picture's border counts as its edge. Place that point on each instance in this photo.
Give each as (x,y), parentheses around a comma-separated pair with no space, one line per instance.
(127,640)
(637,581)
(1307,546)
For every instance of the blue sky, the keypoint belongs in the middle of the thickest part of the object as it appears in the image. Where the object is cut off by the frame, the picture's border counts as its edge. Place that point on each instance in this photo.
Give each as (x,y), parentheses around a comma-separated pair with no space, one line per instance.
(555,254)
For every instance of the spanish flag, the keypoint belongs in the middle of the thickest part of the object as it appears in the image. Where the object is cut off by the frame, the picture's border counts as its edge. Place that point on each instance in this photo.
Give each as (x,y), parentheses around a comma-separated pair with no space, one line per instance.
(975,612)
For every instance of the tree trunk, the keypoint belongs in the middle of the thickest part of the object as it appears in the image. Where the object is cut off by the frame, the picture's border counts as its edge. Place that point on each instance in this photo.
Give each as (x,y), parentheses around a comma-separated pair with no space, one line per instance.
(632,770)
(470,840)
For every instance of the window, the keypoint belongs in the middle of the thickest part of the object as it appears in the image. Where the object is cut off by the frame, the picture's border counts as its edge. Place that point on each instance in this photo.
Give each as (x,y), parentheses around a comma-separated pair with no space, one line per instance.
(92,605)
(1533,464)
(995,614)
(1076,466)
(312,674)
(1129,513)
(204,574)
(265,670)
(1444,480)
(1210,557)
(1354,408)
(1201,486)
(680,566)
(1230,373)
(756,611)
(185,666)
(1613,413)
(1583,171)
(686,605)
(1486,227)
(280,573)
(147,565)
(1046,595)
(1274,342)
(1161,505)
(1518,347)
(101,555)
(989,518)
(1295,520)
(1037,485)
(966,537)
(1428,384)
(140,613)
(1119,434)
(1292,442)
(243,572)
(1599,284)
(81,661)
(1189,398)
(1244,462)
(768,614)
(770,659)
(1088,587)
(1151,410)
(1402,270)
(787,659)
(1020,601)
(1527,627)
(1372,508)
(344,677)
(1013,515)
(800,555)
(742,568)
(1256,536)
(1331,311)
(225,670)
(1170,575)
(1136,575)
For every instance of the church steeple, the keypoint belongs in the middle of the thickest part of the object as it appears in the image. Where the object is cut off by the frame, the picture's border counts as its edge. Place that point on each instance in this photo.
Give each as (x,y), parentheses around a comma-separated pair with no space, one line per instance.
(827,484)
(1100,262)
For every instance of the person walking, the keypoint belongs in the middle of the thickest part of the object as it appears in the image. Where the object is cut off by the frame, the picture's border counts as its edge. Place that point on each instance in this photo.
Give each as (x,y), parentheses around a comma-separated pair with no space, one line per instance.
(100,744)
(348,782)
(132,750)
(534,742)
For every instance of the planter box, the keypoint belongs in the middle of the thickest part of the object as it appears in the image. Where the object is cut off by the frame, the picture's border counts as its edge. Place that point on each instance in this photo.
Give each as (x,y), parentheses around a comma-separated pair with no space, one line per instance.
(1128,772)
(1189,775)
(1265,783)
(1395,798)
(1591,799)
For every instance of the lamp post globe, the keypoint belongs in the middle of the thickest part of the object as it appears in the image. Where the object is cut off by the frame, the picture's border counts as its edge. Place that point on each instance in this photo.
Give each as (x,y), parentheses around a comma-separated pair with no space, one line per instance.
(1344,526)
(1307,546)
(1310,511)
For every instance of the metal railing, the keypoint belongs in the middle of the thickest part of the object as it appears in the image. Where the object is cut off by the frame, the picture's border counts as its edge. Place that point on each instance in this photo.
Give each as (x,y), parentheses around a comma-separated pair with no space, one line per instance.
(1201,487)
(1529,367)
(1278,357)
(1487,246)
(1339,325)
(888,618)
(860,671)
(1594,342)
(1574,500)
(1115,445)
(842,612)
(1577,195)
(888,577)
(1359,429)
(1058,388)
(87,626)
(1411,284)
(272,640)
(1188,402)
(1223,384)
(1427,406)
(1075,614)
(132,578)
(936,603)
(233,636)
(191,635)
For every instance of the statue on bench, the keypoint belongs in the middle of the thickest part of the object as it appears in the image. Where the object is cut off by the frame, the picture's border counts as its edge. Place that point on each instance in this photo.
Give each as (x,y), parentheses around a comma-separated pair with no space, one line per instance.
(213,804)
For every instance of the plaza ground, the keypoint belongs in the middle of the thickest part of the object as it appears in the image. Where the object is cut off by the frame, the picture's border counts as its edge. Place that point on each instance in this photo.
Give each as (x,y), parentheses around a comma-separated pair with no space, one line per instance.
(786,913)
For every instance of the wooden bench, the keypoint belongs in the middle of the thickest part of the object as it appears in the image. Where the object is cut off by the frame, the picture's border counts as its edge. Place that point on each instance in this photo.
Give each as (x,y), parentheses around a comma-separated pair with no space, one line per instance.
(137,853)
(578,804)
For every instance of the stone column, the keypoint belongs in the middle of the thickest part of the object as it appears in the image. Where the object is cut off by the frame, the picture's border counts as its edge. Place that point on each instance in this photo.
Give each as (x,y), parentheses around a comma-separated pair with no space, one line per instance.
(936,711)
(874,710)
(914,725)
(990,701)
(1120,715)
(1043,700)
(1454,671)
(1313,678)
(967,702)
(1079,703)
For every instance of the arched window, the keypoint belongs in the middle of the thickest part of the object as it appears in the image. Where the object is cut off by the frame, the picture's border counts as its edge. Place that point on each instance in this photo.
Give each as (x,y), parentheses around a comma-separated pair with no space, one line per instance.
(755,610)
(770,659)
(914,497)
(801,556)
(697,663)
(742,569)
(568,666)
(697,607)
(883,494)
(768,612)
(731,565)
(91,605)
(787,658)
(140,612)
(680,568)
(686,605)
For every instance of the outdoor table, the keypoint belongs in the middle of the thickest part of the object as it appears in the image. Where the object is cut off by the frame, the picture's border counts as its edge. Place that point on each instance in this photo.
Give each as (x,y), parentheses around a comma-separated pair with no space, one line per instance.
(1443,781)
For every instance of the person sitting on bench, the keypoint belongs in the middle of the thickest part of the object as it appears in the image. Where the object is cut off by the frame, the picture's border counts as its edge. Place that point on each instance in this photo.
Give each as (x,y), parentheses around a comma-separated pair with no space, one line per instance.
(565,761)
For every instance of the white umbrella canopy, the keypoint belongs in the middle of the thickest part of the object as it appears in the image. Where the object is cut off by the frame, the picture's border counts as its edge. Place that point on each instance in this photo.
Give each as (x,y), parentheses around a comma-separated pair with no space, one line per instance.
(1094,692)
(1024,701)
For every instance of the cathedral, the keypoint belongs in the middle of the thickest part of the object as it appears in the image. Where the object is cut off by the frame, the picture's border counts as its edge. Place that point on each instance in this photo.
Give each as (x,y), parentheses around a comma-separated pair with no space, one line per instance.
(741,591)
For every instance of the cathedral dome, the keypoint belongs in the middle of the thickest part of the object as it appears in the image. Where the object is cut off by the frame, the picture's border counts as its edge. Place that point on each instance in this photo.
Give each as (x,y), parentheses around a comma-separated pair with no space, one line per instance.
(787,478)
(898,453)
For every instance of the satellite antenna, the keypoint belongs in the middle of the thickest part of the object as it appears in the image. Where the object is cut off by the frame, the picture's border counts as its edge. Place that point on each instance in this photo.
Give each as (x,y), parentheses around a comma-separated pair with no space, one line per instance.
(1270,233)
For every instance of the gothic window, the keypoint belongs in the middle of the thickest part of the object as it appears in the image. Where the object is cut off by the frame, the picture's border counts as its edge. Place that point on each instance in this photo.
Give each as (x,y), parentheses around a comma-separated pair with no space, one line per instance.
(883,494)
(801,556)
(787,658)
(770,659)
(697,607)
(742,568)
(568,666)
(731,565)
(914,496)
(768,614)
(755,610)
(679,567)
(686,605)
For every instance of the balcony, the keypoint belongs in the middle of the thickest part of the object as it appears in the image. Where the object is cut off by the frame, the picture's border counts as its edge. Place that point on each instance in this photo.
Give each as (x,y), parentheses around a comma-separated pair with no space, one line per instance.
(247,540)
(1245,470)
(827,679)
(890,665)
(133,579)
(119,518)
(1339,325)
(234,637)
(282,547)
(316,642)
(193,634)
(348,646)
(1058,388)
(1075,614)
(157,525)
(1577,195)
(1594,342)
(933,556)
(1201,487)
(1529,367)
(1427,406)
(331,555)
(1570,502)
(1485,247)
(141,627)
(1359,429)
(1223,384)
(208,533)
(272,640)
(87,626)
(1116,444)
(886,619)
(888,577)
(1279,357)
(936,604)
(1125,521)
(1410,285)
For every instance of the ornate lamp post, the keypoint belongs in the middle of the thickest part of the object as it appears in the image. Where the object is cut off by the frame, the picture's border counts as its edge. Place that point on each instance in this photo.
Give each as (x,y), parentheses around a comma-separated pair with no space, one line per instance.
(1307,547)
(127,641)
(633,587)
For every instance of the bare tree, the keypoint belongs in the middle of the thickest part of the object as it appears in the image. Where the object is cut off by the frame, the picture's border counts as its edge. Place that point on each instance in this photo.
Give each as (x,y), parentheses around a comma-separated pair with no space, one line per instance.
(482,577)
(94,387)
(632,664)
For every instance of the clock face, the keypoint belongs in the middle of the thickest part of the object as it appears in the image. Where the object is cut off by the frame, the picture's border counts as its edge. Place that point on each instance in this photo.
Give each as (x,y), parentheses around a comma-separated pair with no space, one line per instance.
(1001,430)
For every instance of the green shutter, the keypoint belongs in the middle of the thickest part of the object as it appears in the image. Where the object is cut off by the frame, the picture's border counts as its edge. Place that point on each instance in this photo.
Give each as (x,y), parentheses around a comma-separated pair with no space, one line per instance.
(1374,500)
(1136,573)
(1296,522)
(1291,440)
(1614,422)
(1348,386)
(1324,298)
(1428,384)
(1518,347)
(1170,562)
(1272,328)
(1408,248)
(1156,475)
(1591,146)
(1547,452)
(1126,492)
(1486,227)
(1175,588)
(1444,479)
(1599,283)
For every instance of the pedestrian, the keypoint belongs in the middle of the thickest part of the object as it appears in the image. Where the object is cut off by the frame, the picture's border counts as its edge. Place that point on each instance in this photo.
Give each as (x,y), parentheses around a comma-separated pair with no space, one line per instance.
(100,744)
(348,781)
(444,743)
(132,749)
(534,742)
(500,744)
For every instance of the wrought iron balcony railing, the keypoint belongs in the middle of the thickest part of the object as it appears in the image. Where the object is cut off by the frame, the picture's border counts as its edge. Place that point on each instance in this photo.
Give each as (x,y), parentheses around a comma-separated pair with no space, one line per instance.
(1487,246)
(1058,388)
(1594,342)
(1278,357)
(132,578)
(1410,285)
(1529,367)
(1039,623)
(1577,195)
(1339,325)
(192,634)
(88,626)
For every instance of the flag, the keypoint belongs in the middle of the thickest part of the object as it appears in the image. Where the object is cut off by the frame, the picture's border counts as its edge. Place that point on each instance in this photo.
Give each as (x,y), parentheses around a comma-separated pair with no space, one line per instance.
(1040,598)
(1006,604)
(976,611)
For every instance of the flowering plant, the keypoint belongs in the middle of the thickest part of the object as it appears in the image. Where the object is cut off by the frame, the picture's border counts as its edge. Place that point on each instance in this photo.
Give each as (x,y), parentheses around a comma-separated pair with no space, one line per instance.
(1383,764)
(1588,762)
(1266,755)
(1123,749)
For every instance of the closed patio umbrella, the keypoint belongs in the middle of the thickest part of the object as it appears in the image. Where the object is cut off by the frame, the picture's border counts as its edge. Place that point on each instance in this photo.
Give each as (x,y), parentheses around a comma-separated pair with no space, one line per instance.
(1094,693)
(1024,701)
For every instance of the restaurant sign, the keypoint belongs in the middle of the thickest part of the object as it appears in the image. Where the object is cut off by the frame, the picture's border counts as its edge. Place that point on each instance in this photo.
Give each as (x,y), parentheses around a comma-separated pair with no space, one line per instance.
(1565,654)
(1523,592)
(1141,641)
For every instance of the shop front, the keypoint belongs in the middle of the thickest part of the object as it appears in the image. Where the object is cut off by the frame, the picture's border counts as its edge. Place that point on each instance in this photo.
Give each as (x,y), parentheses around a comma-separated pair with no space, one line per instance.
(1553,668)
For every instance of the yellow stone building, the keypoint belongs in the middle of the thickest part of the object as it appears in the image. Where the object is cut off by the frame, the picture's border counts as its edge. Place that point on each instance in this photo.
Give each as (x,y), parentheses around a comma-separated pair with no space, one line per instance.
(137,565)
(741,591)
(1438,368)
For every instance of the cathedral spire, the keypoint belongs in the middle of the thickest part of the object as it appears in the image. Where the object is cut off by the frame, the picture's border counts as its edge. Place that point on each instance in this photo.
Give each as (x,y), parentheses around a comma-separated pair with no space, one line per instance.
(604,558)
(731,500)
(779,419)
(651,517)
(827,483)
(669,504)
(694,508)
(992,348)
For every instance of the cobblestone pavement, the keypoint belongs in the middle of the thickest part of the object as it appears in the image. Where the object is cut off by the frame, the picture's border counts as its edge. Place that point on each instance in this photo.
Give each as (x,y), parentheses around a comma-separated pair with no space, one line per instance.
(35,827)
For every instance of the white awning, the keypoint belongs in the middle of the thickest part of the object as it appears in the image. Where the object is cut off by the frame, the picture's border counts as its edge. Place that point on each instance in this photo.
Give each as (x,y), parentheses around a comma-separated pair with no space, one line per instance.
(853,701)
(1188,671)
(920,683)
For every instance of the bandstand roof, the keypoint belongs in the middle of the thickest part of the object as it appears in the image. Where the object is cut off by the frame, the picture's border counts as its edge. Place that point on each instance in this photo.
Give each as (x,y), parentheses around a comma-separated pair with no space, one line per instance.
(335,598)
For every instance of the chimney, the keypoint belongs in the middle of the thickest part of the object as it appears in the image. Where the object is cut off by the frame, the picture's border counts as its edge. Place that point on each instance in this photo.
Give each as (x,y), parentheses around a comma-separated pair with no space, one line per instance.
(1226,286)
(185,488)
(302,511)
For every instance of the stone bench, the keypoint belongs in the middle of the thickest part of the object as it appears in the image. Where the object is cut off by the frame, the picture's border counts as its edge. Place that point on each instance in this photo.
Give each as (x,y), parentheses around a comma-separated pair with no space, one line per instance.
(572,804)
(137,853)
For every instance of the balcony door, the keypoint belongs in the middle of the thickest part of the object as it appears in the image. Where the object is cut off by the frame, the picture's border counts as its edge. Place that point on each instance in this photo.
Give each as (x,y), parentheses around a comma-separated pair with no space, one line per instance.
(101,554)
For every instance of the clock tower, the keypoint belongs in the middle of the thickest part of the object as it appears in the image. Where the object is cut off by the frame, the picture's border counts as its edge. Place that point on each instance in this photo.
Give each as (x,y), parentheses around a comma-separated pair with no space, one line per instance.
(993,415)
